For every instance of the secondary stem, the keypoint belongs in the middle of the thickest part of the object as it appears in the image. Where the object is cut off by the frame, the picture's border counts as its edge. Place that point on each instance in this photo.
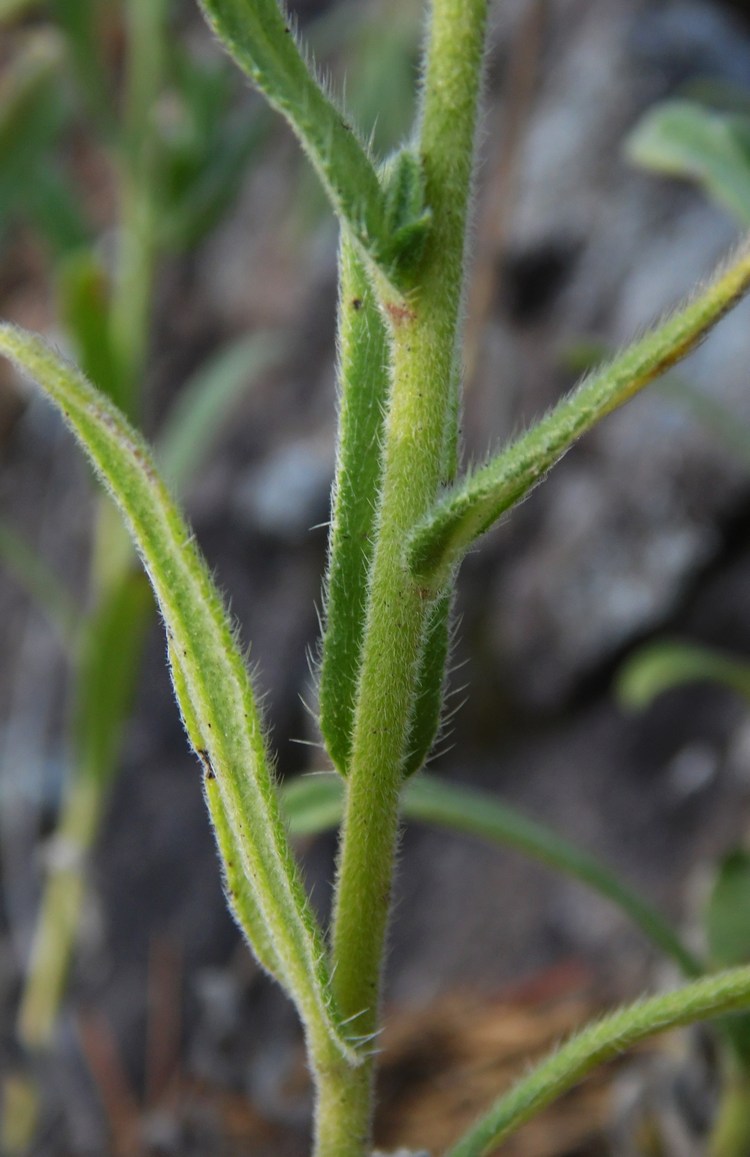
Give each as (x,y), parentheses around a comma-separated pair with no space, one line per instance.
(132,293)
(113,556)
(731,1132)
(59,919)
(424,338)
(132,289)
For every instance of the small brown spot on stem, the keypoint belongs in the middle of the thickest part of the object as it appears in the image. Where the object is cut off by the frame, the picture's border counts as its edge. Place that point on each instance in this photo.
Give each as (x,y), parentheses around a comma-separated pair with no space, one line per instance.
(399,313)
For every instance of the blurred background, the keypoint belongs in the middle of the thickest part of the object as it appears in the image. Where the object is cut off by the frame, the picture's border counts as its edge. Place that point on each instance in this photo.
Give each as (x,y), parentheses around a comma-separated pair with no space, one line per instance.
(160,225)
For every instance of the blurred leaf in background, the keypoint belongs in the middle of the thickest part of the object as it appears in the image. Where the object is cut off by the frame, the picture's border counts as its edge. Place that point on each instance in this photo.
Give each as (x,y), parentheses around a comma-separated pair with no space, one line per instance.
(708,146)
(123,139)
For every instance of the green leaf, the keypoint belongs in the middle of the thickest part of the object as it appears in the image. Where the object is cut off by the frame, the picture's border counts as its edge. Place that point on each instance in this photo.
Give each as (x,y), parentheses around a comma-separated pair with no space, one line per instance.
(363,378)
(82,21)
(52,205)
(407,216)
(684,139)
(205,403)
(221,705)
(33,112)
(657,668)
(147,40)
(83,294)
(717,418)
(379,50)
(469,509)
(314,804)
(260,40)
(477,813)
(727,916)
(242,899)
(428,702)
(704,999)
(29,102)
(727,923)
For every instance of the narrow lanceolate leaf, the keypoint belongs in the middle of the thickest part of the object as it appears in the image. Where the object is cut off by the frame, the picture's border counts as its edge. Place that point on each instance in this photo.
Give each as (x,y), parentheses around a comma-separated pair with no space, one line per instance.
(653,670)
(477,813)
(471,508)
(702,1000)
(314,804)
(260,40)
(428,699)
(236,885)
(727,917)
(220,702)
(407,218)
(363,378)
(83,296)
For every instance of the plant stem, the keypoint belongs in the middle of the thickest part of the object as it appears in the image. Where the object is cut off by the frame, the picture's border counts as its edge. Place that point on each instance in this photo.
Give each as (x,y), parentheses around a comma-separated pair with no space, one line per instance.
(132,289)
(113,556)
(704,999)
(731,1132)
(424,338)
(59,920)
(314,804)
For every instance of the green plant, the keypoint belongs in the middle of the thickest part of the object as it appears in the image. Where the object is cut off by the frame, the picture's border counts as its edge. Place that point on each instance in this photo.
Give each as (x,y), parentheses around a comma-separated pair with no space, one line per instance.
(649,672)
(702,141)
(704,138)
(402,520)
(173,182)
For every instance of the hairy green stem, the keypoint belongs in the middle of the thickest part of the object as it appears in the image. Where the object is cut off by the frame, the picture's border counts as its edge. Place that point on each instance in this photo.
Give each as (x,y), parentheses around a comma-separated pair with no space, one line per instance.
(314,804)
(710,997)
(59,919)
(476,502)
(730,1136)
(424,337)
(132,288)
